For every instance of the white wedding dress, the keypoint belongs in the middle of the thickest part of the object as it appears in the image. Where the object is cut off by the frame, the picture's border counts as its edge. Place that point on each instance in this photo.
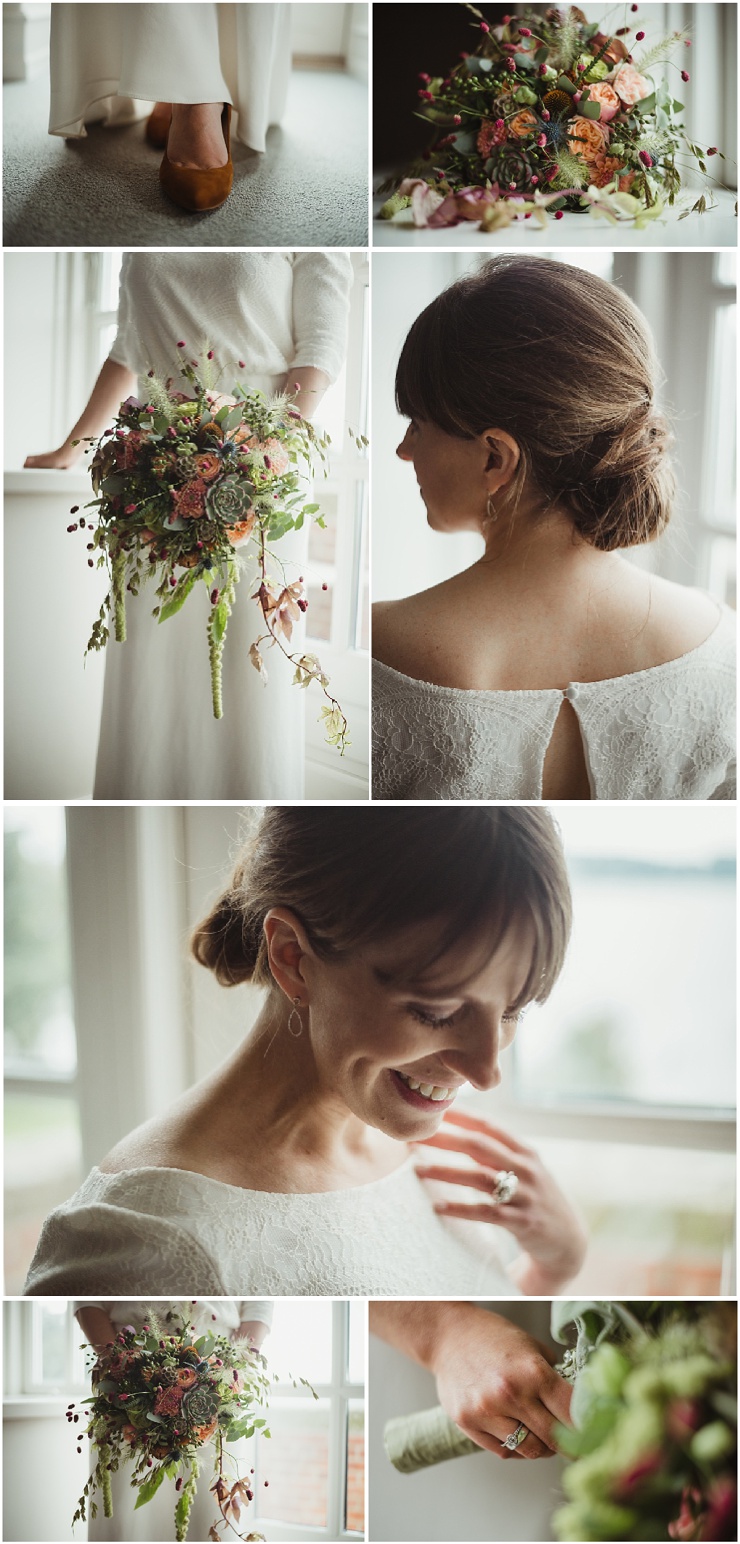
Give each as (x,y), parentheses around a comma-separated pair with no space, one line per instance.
(176,1233)
(111,62)
(663,733)
(155,1522)
(158,738)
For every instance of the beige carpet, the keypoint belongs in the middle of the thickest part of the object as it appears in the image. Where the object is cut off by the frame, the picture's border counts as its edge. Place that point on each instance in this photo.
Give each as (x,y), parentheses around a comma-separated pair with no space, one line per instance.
(309,189)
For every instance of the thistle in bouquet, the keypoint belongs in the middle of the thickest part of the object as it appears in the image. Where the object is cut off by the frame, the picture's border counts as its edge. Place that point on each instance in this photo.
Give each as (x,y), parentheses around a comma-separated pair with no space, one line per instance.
(159,1395)
(654,1440)
(550,114)
(197,486)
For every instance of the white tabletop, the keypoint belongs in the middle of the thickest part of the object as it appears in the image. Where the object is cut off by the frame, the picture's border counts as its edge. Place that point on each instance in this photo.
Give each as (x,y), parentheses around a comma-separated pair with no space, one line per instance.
(716,228)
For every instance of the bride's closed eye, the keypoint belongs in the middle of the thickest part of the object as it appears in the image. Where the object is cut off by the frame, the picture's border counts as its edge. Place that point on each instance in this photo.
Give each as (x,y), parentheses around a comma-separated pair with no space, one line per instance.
(512,1016)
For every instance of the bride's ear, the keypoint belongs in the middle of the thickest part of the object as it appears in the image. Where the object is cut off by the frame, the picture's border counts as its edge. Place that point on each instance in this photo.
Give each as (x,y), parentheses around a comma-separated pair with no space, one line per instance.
(502,458)
(287,949)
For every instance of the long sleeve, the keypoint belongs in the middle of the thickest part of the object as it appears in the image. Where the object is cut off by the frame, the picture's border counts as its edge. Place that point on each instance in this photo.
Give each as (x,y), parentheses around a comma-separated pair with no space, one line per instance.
(257,1308)
(321,285)
(124,350)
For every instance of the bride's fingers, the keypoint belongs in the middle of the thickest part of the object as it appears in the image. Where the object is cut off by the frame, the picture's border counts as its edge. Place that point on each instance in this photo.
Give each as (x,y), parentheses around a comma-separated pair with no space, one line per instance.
(485,1128)
(475,1179)
(487,1153)
(531,1447)
(503,1216)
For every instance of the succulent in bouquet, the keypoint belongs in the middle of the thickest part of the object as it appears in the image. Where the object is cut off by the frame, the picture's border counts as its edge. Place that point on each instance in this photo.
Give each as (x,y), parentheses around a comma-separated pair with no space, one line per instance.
(195,487)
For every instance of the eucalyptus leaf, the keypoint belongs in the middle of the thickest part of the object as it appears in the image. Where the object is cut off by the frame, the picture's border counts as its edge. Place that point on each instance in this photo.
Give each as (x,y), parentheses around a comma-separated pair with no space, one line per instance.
(541,55)
(589,109)
(149,1488)
(646,105)
(564,84)
(178,597)
(524,62)
(234,417)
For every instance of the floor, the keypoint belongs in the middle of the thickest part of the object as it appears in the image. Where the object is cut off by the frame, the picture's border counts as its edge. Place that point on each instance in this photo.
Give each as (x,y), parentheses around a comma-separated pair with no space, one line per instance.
(310,188)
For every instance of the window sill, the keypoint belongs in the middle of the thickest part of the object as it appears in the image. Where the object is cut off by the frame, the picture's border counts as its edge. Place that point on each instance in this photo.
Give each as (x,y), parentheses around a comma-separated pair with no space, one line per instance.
(35,480)
(34,1407)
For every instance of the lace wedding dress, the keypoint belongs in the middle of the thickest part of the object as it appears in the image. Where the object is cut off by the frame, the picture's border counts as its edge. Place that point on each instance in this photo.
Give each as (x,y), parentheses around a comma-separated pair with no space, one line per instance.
(155,1522)
(663,733)
(158,738)
(175,1233)
(109,62)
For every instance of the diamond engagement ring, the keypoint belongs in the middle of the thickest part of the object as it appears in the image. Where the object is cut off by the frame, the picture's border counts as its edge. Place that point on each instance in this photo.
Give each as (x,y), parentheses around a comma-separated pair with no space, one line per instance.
(505,1187)
(515,1439)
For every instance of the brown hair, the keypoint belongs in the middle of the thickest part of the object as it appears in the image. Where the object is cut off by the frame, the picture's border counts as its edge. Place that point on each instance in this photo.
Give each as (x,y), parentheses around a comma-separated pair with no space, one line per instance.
(356,876)
(563,362)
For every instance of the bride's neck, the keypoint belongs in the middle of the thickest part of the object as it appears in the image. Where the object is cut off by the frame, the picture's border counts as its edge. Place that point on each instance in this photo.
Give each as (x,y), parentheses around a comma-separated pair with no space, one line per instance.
(286,1113)
(541,552)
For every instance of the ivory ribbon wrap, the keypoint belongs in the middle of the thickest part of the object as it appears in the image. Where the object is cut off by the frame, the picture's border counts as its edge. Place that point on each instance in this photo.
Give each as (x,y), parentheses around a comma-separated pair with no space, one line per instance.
(416,1441)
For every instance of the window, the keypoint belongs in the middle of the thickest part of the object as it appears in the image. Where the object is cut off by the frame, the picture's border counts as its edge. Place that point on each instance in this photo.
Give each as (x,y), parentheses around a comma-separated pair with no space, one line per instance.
(625,1079)
(43,1160)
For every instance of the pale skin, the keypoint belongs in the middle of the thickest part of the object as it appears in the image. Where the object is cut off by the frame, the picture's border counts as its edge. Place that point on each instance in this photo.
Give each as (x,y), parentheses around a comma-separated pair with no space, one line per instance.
(540,609)
(491,1375)
(333,1109)
(98,1327)
(305,385)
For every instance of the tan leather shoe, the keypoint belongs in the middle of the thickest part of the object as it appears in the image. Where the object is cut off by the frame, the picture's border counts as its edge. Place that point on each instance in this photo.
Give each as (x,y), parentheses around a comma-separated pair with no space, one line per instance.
(197,190)
(158,125)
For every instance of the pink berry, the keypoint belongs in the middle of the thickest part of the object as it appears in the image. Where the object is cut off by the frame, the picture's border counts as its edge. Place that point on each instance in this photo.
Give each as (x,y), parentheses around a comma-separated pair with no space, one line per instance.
(424,78)
(685,75)
(534,180)
(543,71)
(633,7)
(512,187)
(558,214)
(242,365)
(712,150)
(541,140)
(74,509)
(214,597)
(646,159)
(577,96)
(524,32)
(173,582)
(484,27)
(209,355)
(181,345)
(457,118)
(639,36)
(510,65)
(324,586)
(545,115)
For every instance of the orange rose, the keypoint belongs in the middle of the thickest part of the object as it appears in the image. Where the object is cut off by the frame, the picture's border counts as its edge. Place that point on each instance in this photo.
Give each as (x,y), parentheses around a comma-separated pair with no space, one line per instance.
(607,99)
(130,1433)
(207,465)
(630,85)
(587,138)
(522,124)
(202,1433)
(239,532)
(186,1377)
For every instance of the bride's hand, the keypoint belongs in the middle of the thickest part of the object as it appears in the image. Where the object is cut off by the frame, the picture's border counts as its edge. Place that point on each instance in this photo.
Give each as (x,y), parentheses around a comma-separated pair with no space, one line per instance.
(493,1376)
(61,459)
(541,1219)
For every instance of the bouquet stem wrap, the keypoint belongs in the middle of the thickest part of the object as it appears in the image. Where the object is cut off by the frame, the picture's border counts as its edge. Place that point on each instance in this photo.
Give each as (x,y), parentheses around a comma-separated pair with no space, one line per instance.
(429,1437)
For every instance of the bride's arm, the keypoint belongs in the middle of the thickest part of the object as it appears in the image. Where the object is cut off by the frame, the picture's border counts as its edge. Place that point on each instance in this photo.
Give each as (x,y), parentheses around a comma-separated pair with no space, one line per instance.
(114,383)
(252,1330)
(306,386)
(96,1326)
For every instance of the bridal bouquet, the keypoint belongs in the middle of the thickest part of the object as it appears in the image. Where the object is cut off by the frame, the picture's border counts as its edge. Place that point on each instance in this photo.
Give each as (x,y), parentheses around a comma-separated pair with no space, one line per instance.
(654,1409)
(655,1422)
(549,114)
(184,481)
(161,1393)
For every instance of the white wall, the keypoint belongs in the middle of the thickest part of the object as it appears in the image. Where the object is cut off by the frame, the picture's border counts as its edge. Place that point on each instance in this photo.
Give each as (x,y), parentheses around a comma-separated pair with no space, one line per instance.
(407,556)
(52,697)
(475,1498)
(41,1449)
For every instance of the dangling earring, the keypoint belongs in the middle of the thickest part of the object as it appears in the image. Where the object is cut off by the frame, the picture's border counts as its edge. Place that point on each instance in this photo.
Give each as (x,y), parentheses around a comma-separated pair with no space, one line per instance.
(491,511)
(294,1014)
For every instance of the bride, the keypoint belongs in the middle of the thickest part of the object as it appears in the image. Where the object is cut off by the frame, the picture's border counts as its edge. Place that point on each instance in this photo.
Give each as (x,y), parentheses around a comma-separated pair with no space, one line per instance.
(553,668)
(283,315)
(397,949)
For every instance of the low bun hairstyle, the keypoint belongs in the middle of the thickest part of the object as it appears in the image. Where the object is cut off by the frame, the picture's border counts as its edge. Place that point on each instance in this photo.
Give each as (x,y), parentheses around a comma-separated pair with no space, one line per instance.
(564,363)
(356,876)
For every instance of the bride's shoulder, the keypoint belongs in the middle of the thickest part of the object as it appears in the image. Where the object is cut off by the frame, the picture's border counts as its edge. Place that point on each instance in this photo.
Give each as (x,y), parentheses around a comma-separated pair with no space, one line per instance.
(151,1146)
(681,618)
(409,635)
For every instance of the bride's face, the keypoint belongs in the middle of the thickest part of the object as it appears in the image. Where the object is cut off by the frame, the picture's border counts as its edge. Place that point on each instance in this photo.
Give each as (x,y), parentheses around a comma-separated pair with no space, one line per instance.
(396,1046)
(451,475)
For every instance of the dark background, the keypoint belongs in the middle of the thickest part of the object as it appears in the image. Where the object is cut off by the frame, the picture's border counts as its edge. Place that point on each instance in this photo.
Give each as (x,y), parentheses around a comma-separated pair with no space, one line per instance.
(408,39)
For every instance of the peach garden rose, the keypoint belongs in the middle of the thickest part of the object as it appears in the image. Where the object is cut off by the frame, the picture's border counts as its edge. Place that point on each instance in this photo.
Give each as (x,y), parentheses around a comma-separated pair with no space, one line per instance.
(631,86)
(607,99)
(587,138)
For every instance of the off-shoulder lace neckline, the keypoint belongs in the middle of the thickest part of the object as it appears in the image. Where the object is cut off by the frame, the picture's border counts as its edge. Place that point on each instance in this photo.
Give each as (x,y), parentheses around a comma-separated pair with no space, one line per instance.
(559,691)
(308,1195)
